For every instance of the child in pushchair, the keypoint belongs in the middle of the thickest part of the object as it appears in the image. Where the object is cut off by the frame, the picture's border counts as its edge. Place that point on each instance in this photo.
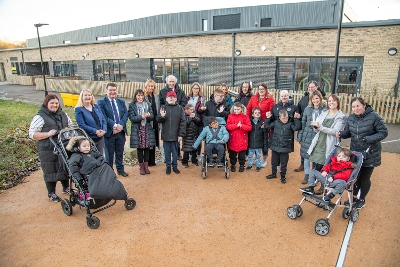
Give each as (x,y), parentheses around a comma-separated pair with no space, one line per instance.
(334,175)
(338,175)
(95,181)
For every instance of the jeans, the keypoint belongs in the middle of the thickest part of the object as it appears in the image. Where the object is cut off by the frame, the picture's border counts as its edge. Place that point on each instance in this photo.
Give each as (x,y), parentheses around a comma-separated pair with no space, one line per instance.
(258,152)
(338,185)
(171,147)
(306,164)
(220,152)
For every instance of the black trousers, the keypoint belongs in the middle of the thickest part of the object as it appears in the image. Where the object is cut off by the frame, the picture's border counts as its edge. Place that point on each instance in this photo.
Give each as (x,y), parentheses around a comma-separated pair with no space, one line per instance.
(152,157)
(143,154)
(51,186)
(241,156)
(363,182)
(185,158)
(279,159)
(114,146)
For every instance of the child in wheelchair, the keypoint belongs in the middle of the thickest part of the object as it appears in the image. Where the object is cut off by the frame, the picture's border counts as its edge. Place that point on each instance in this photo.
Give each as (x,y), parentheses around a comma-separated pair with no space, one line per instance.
(216,137)
(334,174)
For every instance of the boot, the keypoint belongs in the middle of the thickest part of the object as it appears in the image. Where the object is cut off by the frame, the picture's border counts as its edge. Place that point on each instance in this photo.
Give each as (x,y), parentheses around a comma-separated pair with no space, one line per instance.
(233,168)
(283,178)
(299,169)
(241,168)
(305,180)
(328,197)
(146,167)
(142,171)
(320,190)
(271,176)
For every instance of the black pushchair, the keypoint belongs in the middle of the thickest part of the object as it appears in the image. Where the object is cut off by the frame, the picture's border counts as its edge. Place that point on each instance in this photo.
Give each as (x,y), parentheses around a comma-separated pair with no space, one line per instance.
(97,197)
(322,225)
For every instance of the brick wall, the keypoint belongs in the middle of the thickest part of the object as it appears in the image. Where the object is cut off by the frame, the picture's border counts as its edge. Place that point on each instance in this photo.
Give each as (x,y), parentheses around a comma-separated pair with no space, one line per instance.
(379,69)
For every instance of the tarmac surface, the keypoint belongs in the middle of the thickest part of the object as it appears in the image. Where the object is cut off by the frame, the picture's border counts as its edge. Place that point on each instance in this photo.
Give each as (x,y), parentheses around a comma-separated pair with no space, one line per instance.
(30,94)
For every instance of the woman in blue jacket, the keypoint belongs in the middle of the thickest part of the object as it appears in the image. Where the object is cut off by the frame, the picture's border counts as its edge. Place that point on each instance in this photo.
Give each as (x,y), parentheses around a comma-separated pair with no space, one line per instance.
(89,117)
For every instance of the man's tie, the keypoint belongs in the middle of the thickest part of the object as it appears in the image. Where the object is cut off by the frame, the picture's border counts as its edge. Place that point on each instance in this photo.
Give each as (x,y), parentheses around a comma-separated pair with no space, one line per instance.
(116,117)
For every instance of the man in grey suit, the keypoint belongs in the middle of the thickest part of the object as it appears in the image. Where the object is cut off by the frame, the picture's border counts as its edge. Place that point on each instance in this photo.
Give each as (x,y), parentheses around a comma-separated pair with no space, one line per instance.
(116,114)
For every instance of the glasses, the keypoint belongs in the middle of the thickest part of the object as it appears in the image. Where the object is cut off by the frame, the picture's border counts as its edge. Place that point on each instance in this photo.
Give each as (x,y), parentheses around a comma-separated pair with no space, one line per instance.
(196,88)
(219,95)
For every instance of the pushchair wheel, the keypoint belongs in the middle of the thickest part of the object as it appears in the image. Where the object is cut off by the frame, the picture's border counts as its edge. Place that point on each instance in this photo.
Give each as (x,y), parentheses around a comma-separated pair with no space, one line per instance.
(322,227)
(93,222)
(66,207)
(354,215)
(130,204)
(345,213)
(227,175)
(292,212)
(299,210)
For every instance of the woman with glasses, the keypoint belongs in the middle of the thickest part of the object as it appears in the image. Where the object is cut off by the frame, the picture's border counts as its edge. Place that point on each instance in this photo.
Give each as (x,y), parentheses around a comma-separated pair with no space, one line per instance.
(196,98)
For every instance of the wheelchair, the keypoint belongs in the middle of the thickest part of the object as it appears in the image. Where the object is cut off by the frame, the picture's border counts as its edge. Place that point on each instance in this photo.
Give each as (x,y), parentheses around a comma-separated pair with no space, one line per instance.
(204,160)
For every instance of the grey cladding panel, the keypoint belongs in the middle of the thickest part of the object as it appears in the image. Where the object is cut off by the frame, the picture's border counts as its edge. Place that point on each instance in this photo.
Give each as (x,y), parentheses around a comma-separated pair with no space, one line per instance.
(255,69)
(84,69)
(138,69)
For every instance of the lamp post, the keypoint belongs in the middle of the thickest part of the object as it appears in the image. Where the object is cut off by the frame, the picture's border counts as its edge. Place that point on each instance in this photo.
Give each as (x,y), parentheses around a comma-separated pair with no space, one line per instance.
(41,58)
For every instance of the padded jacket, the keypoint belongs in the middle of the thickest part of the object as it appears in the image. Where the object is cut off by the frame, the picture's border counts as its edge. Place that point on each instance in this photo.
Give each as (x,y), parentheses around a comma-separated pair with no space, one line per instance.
(212,111)
(136,120)
(173,124)
(258,137)
(180,95)
(281,138)
(238,137)
(340,170)
(307,133)
(207,134)
(265,105)
(192,132)
(366,130)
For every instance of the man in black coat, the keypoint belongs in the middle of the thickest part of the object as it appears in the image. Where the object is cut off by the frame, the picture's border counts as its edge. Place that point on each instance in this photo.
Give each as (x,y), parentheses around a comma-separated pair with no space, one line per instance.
(172,87)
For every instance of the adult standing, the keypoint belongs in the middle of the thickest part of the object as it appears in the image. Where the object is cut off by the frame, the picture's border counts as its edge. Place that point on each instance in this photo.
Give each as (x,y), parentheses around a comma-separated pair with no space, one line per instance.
(244,94)
(366,130)
(217,107)
(307,133)
(116,113)
(196,98)
(142,133)
(89,117)
(265,103)
(172,86)
(151,96)
(301,106)
(326,126)
(285,104)
(49,120)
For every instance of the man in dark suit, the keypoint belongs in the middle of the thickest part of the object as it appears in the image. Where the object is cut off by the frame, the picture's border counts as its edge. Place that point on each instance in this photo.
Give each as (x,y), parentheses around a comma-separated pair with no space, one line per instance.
(116,114)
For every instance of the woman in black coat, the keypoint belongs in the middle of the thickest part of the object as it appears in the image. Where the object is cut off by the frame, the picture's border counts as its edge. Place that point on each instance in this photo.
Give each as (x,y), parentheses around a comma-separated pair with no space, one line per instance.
(142,133)
(151,96)
(366,130)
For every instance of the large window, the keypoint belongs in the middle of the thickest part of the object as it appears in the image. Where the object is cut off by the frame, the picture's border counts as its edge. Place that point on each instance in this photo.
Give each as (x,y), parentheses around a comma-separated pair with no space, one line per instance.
(64,68)
(294,73)
(110,70)
(185,69)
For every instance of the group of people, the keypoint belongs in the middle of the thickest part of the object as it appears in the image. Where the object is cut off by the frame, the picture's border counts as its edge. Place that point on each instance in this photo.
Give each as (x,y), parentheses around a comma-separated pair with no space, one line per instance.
(247,126)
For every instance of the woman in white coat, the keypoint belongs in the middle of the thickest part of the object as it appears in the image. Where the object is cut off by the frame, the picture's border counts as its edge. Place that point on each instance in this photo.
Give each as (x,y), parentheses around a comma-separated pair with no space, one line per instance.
(326,125)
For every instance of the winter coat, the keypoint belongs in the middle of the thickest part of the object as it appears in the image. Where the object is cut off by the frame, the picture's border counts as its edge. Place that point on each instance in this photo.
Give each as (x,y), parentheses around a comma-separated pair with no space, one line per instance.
(173,123)
(52,164)
(289,107)
(331,139)
(192,132)
(180,95)
(85,120)
(281,138)
(223,135)
(243,99)
(136,121)
(212,111)
(340,170)
(154,101)
(83,164)
(366,130)
(265,105)
(307,133)
(238,137)
(258,137)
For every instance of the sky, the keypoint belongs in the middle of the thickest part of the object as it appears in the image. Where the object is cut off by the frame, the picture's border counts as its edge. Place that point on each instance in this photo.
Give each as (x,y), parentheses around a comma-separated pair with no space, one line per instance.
(17,17)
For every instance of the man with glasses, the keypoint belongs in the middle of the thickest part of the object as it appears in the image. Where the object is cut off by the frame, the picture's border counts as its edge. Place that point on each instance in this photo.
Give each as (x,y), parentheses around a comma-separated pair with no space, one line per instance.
(217,107)
(116,113)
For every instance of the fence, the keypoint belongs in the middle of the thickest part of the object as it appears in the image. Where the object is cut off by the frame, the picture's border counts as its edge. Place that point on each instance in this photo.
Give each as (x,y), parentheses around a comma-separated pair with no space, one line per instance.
(386,106)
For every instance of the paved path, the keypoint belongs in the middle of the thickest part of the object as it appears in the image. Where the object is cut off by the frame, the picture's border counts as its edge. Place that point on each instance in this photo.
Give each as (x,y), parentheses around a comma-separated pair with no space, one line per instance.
(29,93)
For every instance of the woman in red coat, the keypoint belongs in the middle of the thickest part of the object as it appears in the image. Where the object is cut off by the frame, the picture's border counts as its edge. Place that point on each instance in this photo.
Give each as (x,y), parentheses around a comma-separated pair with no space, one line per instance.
(264,103)
(239,126)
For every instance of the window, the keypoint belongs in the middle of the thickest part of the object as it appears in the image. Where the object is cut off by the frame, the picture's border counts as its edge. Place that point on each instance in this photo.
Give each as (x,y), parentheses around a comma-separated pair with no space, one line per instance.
(66,41)
(64,68)
(204,28)
(185,69)
(226,22)
(266,22)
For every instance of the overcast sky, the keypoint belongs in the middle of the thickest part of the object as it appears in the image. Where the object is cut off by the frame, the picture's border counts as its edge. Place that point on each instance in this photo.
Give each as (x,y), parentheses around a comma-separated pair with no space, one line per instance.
(18,16)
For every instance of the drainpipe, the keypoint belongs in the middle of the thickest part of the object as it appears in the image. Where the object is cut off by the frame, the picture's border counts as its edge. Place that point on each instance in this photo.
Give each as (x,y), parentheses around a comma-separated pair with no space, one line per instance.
(23,62)
(337,46)
(396,89)
(233,60)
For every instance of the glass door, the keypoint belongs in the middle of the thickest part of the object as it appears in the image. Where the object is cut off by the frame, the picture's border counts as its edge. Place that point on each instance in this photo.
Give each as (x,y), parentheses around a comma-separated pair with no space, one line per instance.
(349,77)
